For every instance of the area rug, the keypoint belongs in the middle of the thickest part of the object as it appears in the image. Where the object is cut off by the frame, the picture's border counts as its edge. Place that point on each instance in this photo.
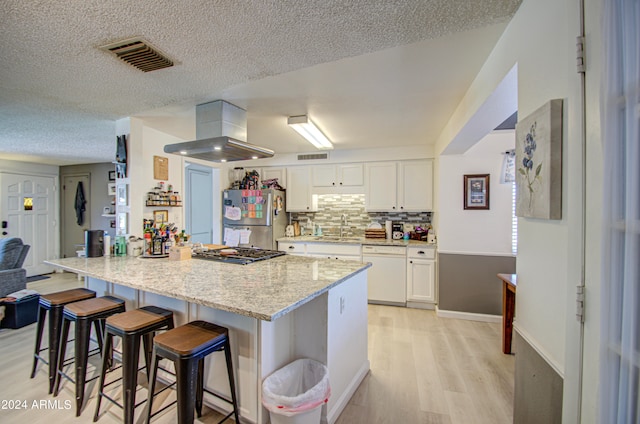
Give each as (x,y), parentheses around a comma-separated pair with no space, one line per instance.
(37,278)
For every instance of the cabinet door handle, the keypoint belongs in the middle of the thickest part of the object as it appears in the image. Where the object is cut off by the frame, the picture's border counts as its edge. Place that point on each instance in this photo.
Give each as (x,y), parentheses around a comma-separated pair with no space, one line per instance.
(401,207)
(341,183)
(292,247)
(421,252)
(393,207)
(410,262)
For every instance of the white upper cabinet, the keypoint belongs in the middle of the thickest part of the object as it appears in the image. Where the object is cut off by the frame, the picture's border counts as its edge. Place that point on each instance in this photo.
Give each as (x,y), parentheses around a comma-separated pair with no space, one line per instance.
(381,180)
(344,175)
(299,195)
(415,190)
(405,186)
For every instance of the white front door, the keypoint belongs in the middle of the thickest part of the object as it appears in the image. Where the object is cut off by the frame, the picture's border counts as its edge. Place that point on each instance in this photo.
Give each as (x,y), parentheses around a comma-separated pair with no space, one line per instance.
(27,211)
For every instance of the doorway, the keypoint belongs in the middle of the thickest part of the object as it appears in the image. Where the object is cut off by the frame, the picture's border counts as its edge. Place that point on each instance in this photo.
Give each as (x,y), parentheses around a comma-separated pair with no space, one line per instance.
(28,211)
(201,206)
(72,237)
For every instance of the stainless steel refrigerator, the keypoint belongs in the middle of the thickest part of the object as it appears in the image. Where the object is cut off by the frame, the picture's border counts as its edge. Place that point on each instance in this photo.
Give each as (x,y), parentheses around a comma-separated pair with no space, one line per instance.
(253,218)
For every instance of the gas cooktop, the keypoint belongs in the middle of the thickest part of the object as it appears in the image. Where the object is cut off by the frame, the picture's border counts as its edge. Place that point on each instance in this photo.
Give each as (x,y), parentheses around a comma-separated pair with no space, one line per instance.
(237,255)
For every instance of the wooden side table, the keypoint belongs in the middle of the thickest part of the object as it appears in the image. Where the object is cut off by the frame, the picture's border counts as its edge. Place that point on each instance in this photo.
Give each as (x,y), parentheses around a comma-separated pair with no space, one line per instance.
(509,283)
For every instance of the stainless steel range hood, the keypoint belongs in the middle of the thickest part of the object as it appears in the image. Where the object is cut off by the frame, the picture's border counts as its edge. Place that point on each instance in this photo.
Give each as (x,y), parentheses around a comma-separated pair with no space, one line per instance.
(221,131)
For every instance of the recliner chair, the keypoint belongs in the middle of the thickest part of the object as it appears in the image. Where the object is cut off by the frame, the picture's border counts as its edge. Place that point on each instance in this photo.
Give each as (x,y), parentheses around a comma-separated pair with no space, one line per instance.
(12,255)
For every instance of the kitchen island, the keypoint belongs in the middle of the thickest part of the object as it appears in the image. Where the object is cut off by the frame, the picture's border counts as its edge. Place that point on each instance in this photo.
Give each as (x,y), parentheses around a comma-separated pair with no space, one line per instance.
(277,310)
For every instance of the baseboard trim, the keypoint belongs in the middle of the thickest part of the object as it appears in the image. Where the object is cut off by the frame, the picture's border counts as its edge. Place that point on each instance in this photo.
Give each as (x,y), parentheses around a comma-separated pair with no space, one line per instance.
(421,305)
(338,407)
(469,316)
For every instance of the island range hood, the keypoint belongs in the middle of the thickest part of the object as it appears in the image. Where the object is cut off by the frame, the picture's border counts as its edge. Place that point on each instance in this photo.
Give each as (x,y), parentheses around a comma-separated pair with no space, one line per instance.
(221,131)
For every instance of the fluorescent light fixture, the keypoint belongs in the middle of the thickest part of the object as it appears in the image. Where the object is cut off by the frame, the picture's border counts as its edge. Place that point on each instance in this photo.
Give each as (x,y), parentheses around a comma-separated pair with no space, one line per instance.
(303,125)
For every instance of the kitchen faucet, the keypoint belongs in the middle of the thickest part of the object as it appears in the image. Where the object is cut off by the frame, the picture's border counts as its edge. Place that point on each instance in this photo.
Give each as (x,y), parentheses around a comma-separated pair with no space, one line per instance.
(343,224)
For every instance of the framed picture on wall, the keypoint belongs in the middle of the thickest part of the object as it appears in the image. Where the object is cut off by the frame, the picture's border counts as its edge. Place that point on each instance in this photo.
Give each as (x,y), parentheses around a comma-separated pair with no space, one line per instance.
(112,175)
(111,189)
(161,216)
(476,191)
(121,196)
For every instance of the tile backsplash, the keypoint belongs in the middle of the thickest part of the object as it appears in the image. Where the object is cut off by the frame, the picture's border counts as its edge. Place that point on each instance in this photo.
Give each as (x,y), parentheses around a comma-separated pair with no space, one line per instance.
(332,206)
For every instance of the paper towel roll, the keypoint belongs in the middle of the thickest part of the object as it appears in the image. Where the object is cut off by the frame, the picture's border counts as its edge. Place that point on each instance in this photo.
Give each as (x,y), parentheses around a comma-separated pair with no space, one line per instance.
(107,244)
(388,229)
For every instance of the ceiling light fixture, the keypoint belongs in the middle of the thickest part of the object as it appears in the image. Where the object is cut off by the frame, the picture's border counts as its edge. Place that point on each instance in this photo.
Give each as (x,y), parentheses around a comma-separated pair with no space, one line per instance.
(303,125)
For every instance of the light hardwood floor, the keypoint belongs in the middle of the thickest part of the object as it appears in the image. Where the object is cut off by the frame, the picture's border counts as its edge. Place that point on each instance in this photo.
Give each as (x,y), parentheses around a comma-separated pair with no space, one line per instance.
(424,369)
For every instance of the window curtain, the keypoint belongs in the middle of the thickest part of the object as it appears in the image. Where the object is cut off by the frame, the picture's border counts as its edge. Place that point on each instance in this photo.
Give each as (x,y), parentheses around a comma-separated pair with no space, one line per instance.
(508,174)
(620,326)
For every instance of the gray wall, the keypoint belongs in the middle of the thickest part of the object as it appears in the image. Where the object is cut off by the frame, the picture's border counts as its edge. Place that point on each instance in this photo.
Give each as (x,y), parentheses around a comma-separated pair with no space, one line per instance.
(538,388)
(97,195)
(469,283)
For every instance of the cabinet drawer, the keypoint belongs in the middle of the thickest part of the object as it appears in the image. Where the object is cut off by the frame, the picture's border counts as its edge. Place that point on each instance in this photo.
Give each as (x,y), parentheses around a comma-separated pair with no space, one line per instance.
(334,249)
(421,252)
(291,248)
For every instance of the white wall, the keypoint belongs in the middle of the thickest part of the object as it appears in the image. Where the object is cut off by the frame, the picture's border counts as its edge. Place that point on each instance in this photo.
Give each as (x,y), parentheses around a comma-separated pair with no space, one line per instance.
(28,168)
(540,39)
(475,231)
(146,142)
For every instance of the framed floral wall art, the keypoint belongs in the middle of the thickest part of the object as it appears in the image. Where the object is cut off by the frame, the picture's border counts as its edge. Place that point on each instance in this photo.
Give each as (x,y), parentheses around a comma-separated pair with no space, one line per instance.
(539,163)
(476,191)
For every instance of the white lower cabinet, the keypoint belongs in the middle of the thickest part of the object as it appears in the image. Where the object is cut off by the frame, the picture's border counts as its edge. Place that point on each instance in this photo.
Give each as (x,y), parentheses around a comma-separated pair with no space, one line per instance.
(395,279)
(421,276)
(292,248)
(345,251)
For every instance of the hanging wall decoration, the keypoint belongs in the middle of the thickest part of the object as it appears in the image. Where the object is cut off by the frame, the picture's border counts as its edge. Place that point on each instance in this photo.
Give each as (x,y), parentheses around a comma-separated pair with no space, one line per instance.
(539,163)
(476,192)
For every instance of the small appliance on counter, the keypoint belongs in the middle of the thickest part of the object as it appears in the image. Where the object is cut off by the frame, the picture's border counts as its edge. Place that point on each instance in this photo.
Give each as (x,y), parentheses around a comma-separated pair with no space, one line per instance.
(94,243)
(397,231)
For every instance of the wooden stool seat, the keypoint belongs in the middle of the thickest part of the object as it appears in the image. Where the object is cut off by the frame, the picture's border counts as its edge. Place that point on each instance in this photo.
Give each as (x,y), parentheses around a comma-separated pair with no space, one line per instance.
(131,326)
(67,296)
(54,302)
(187,346)
(191,338)
(134,320)
(84,313)
(92,306)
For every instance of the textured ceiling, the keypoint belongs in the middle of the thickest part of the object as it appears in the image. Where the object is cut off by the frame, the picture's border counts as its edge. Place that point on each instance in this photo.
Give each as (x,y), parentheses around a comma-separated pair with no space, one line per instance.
(365,70)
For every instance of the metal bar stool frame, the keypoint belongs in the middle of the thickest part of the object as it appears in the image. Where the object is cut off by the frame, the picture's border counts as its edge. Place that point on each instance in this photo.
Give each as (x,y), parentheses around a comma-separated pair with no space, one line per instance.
(52,302)
(82,353)
(130,356)
(187,367)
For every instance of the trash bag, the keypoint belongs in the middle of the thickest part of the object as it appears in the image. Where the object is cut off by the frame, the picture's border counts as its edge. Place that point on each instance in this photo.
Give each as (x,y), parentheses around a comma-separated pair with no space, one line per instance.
(295,388)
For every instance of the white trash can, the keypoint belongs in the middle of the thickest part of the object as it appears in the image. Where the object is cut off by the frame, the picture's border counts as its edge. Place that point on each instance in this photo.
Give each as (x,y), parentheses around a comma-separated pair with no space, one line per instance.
(295,393)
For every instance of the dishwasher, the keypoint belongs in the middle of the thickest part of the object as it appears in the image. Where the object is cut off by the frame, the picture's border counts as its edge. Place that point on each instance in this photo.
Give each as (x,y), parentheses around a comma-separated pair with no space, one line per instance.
(387,277)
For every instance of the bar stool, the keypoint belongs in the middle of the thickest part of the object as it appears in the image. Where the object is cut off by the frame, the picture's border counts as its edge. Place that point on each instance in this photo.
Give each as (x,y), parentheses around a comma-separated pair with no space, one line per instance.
(83,314)
(187,346)
(131,326)
(55,303)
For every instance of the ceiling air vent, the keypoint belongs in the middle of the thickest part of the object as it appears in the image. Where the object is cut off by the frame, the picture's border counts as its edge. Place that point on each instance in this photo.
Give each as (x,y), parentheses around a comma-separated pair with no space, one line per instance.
(139,53)
(313,156)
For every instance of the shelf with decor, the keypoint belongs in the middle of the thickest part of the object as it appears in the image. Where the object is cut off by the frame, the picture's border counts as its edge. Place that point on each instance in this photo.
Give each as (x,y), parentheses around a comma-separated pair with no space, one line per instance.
(152,203)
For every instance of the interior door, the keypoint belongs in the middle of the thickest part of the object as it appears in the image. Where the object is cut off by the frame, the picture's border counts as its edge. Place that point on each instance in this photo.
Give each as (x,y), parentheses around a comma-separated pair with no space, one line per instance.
(27,209)
(199,203)
(72,235)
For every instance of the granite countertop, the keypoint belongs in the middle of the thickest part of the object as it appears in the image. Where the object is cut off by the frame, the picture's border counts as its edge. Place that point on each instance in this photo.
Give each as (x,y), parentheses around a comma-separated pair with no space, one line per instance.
(354,240)
(265,290)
